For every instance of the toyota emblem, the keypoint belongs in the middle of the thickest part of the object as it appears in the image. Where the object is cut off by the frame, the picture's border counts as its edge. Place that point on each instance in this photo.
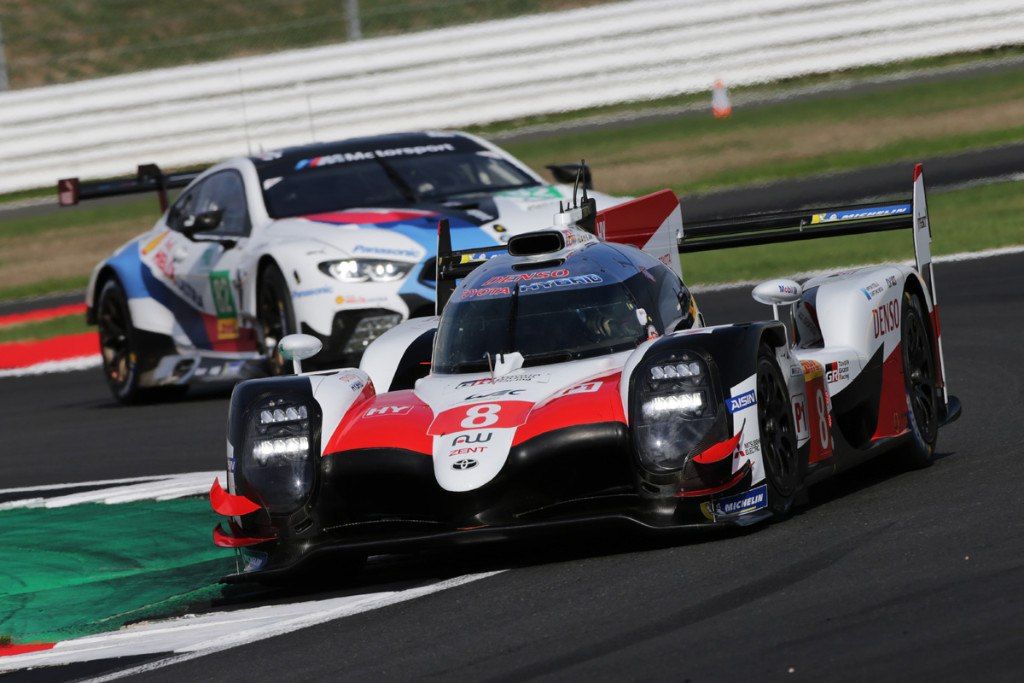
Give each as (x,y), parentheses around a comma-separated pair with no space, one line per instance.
(464,464)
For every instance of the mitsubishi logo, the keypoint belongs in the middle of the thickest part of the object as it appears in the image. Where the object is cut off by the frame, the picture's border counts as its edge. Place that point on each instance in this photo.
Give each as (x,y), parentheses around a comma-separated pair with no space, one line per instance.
(464,464)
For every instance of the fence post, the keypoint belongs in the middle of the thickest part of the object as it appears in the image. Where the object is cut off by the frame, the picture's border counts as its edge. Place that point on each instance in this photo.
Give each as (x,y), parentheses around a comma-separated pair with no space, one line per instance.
(355,30)
(4,82)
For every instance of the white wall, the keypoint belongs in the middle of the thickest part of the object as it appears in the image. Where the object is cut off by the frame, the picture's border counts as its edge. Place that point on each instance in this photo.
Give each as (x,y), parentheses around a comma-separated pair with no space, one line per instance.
(470,74)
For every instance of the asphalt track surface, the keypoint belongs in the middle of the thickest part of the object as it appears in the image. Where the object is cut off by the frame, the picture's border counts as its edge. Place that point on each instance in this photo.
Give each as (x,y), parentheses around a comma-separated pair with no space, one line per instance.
(885,574)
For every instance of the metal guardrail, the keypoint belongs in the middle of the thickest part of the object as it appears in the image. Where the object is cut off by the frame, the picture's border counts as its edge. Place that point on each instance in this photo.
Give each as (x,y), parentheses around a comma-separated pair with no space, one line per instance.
(473,74)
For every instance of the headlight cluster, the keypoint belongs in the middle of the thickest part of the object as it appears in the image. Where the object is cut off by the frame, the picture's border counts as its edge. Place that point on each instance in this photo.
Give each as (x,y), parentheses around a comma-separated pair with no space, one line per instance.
(366,270)
(675,410)
(278,452)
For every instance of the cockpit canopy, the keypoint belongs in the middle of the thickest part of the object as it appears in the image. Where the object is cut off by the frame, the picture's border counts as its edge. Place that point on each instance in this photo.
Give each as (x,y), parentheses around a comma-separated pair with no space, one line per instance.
(599,299)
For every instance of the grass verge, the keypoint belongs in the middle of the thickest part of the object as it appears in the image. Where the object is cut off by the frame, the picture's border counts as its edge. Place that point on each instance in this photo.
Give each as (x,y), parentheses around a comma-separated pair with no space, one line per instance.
(45,329)
(83,569)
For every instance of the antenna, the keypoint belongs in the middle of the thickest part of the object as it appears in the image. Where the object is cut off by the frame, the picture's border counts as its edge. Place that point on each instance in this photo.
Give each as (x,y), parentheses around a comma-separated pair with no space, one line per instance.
(245,114)
(576,184)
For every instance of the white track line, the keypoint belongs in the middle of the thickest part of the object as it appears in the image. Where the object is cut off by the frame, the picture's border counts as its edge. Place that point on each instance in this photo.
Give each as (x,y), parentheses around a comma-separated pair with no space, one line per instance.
(131,490)
(50,366)
(194,636)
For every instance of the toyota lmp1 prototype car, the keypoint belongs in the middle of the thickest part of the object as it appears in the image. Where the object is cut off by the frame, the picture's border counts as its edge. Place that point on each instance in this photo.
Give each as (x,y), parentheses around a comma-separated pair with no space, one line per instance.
(569,383)
(335,240)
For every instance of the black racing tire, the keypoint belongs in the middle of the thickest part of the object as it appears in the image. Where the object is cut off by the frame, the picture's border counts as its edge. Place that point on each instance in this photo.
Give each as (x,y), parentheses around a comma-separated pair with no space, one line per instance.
(118,343)
(779,450)
(920,382)
(121,350)
(275,315)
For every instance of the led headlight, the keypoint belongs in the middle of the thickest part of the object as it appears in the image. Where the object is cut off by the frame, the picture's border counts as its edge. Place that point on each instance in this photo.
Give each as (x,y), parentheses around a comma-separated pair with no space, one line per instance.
(278,451)
(366,270)
(674,409)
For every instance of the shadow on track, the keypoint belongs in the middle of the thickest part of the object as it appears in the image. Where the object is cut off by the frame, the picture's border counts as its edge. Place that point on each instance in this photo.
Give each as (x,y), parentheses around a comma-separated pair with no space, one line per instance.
(331,577)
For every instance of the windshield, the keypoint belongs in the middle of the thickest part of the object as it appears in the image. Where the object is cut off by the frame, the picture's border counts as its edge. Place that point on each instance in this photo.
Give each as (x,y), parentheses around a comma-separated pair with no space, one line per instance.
(546,327)
(399,181)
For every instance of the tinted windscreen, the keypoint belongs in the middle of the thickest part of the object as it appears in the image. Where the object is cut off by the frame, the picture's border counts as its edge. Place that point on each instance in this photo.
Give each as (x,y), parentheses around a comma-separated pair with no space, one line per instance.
(546,327)
(397,181)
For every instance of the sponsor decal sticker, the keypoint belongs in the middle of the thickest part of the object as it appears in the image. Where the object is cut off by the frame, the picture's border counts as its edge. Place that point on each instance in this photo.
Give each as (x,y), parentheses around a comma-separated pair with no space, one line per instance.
(744,400)
(585,388)
(886,318)
(154,243)
(571,281)
(857,214)
(386,251)
(349,157)
(742,503)
(475,437)
(356,300)
(484,291)
(837,371)
(469,450)
(494,394)
(541,377)
(525,277)
(478,257)
(387,410)
(302,293)
(223,296)
(464,464)
(872,290)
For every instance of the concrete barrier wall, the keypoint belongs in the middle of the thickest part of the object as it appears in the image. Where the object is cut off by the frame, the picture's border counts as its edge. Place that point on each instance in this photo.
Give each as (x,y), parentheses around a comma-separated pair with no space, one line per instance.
(471,74)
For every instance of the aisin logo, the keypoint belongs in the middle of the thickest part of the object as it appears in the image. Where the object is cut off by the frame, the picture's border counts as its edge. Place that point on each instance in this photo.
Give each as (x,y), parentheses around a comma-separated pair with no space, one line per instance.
(464,464)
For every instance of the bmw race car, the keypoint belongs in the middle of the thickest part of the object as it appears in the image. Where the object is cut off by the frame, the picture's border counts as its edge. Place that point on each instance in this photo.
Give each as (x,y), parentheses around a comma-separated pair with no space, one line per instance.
(335,240)
(569,383)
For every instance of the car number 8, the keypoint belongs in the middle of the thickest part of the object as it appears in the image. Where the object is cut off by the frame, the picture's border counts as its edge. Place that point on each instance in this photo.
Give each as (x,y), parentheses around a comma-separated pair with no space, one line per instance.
(819,400)
(480,416)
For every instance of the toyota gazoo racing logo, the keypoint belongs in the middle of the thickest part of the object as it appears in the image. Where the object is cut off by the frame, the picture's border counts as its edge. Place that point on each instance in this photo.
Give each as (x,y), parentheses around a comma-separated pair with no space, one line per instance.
(464,464)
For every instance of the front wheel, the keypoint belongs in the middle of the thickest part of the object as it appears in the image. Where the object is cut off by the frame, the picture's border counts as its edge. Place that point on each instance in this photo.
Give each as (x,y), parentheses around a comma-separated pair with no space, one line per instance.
(117,343)
(275,315)
(919,379)
(779,451)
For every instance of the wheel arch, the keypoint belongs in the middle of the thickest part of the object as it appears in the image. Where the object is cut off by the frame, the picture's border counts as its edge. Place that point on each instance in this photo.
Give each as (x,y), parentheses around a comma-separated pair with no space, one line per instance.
(105,274)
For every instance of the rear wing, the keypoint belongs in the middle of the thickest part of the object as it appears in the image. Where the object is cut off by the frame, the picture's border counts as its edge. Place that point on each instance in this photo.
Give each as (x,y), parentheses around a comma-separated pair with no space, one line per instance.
(791,226)
(807,224)
(148,178)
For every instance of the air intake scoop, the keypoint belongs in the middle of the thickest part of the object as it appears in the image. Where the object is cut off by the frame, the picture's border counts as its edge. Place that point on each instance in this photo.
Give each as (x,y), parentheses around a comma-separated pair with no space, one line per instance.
(534,243)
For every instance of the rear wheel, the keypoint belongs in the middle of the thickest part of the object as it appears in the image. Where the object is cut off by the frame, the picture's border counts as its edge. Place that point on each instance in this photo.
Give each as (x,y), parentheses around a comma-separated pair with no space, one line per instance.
(778,435)
(919,377)
(274,311)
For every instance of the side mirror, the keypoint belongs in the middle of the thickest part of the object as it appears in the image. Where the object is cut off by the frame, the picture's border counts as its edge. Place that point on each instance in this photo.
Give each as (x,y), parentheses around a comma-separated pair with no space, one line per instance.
(202,222)
(566,173)
(297,348)
(778,292)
